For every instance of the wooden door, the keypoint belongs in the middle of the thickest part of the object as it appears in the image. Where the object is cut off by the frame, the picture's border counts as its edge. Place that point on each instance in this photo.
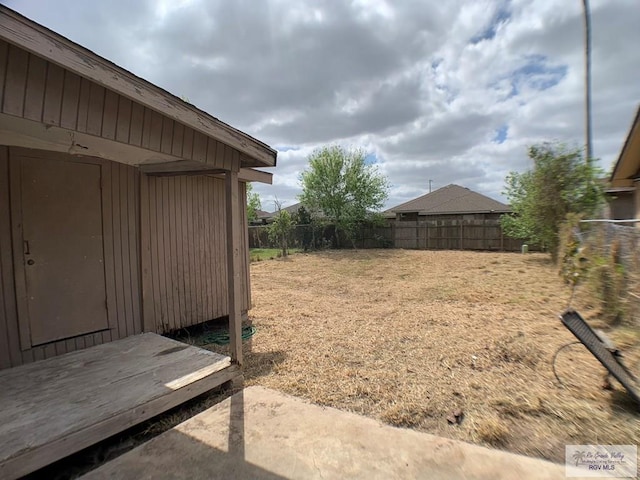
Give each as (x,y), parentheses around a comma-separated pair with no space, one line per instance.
(61,256)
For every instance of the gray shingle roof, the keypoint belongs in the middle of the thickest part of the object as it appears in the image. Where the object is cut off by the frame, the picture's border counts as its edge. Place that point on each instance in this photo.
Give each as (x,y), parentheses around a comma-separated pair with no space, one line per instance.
(451,199)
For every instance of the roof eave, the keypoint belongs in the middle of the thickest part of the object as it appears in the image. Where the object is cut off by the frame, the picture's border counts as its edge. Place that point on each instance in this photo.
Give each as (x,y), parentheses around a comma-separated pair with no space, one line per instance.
(633,130)
(45,43)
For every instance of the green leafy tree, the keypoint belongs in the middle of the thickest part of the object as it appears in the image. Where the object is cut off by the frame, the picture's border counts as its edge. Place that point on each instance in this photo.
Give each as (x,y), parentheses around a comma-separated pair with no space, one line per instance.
(343,187)
(560,183)
(281,228)
(253,204)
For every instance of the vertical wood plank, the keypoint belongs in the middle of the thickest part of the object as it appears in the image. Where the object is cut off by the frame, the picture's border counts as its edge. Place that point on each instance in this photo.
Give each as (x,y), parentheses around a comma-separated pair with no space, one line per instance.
(163,301)
(15,81)
(217,246)
(134,246)
(187,212)
(53,95)
(116,199)
(154,214)
(200,147)
(137,124)
(123,125)
(222,255)
(173,252)
(211,151)
(108,214)
(110,115)
(208,250)
(166,143)
(49,350)
(184,249)
(4,53)
(20,281)
(10,354)
(234,283)
(244,223)
(228,157)
(36,85)
(83,104)
(155,133)
(200,246)
(178,138)
(70,99)
(96,109)
(147,277)
(187,144)
(220,154)
(5,357)
(38,353)
(177,228)
(127,303)
(146,128)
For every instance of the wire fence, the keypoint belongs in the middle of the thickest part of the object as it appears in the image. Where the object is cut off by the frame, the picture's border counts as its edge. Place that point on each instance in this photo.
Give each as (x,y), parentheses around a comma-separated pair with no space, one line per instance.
(613,249)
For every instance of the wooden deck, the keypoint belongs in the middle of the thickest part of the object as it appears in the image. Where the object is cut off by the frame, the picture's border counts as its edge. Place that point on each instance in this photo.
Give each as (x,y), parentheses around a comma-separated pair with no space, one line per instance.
(55,407)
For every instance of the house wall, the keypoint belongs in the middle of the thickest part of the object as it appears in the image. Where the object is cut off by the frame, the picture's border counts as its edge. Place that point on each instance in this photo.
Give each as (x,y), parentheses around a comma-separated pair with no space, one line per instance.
(35,89)
(121,253)
(622,206)
(184,260)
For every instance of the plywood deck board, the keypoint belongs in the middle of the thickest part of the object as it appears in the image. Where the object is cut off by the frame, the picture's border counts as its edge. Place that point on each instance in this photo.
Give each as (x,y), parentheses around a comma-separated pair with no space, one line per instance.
(44,402)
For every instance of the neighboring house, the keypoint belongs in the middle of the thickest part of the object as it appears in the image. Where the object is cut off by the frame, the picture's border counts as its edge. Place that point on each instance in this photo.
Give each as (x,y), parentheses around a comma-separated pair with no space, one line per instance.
(452,217)
(121,206)
(451,203)
(262,218)
(623,190)
(292,209)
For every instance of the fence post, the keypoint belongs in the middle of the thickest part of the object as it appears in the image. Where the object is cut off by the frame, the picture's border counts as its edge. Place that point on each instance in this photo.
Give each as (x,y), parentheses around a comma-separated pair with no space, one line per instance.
(461,234)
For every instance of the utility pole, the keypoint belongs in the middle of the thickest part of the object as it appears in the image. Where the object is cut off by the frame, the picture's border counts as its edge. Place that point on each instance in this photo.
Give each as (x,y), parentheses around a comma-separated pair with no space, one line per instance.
(587,66)
(430,181)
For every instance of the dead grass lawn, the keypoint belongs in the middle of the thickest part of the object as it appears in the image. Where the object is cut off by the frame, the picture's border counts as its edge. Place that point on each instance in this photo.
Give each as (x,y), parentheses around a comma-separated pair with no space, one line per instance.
(409,336)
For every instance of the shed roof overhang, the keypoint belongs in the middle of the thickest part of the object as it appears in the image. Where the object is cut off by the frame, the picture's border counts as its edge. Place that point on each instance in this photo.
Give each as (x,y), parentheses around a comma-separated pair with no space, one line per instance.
(627,168)
(38,40)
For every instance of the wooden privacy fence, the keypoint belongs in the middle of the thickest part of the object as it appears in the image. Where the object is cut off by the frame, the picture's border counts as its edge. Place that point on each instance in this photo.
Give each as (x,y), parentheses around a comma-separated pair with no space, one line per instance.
(424,235)
(453,235)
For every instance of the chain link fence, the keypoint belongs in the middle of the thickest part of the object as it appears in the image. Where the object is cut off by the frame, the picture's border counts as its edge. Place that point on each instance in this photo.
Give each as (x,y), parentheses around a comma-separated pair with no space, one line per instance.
(612,250)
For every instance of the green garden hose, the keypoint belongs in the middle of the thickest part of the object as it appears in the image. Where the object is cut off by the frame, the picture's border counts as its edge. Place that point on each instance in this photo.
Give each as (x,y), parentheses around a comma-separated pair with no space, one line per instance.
(221,337)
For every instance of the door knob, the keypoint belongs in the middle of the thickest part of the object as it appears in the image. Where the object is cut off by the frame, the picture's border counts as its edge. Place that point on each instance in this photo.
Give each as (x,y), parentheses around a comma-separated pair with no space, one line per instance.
(30,261)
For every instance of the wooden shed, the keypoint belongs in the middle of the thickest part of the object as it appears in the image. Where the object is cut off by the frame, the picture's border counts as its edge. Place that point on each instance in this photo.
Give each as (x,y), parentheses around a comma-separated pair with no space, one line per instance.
(121,206)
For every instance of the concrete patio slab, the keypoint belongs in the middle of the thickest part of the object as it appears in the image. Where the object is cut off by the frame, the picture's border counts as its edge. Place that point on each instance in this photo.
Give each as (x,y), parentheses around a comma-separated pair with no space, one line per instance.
(262,434)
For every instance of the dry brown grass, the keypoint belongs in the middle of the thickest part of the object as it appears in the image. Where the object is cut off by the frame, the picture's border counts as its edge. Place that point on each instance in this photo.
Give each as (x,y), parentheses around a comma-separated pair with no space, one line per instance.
(409,336)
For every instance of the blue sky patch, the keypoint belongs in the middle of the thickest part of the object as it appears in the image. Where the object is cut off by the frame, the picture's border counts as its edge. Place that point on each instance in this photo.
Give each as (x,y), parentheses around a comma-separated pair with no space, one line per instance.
(285,148)
(501,134)
(370,159)
(502,16)
(537,74)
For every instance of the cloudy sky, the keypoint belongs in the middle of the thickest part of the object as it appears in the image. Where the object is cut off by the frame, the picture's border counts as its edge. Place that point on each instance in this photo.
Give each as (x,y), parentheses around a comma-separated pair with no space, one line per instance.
(450,91)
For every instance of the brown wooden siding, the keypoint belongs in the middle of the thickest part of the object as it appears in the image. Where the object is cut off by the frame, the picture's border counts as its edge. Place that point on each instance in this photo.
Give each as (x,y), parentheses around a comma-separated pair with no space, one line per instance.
(35,89)
(121,253)
(184,251)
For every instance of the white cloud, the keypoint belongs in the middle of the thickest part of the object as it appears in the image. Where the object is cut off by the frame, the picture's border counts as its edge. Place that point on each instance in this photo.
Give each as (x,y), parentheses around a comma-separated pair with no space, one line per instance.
(425,85)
